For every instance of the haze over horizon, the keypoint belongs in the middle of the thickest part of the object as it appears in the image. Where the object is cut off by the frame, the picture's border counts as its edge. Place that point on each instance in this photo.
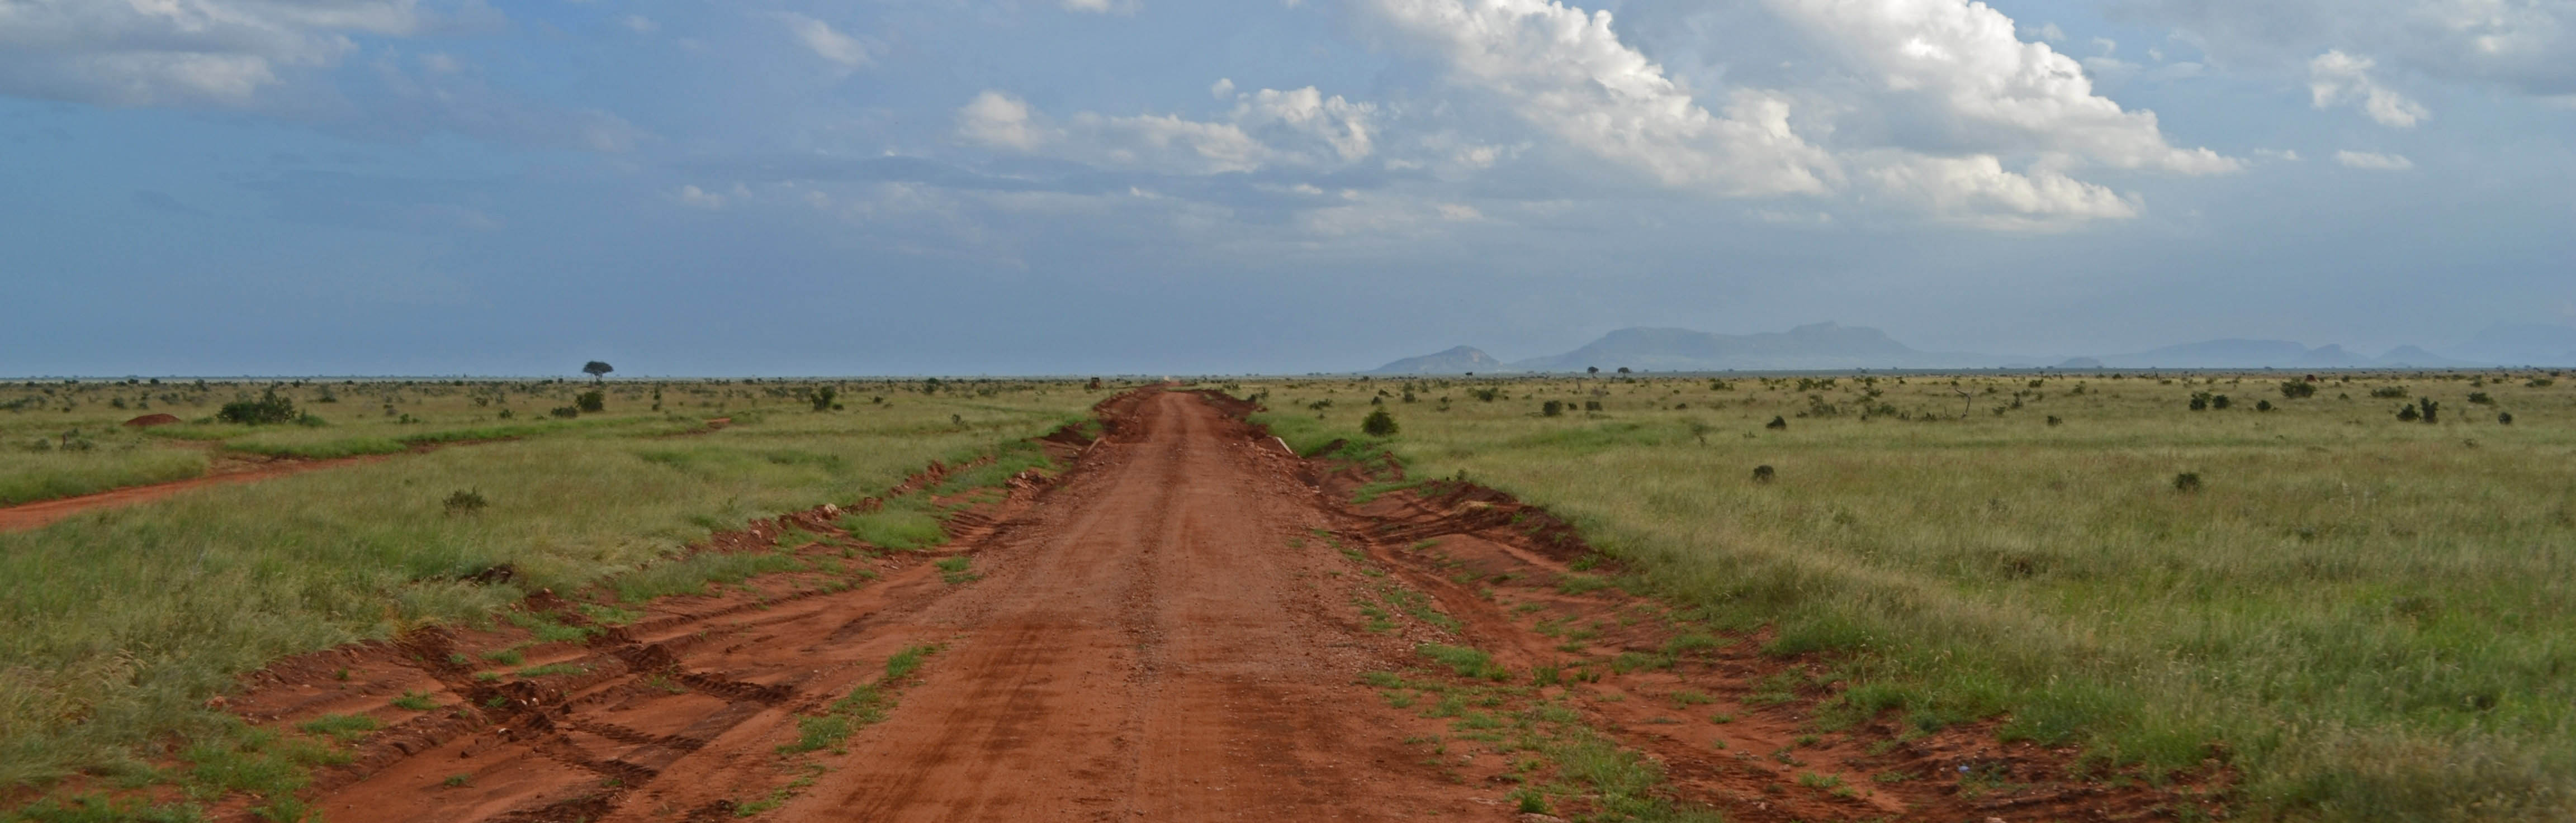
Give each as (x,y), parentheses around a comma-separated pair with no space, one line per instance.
(789,187)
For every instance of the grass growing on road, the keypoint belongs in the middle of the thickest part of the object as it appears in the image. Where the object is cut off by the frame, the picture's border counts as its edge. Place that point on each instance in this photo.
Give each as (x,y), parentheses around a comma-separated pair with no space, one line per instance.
(863,706)
(2366,615)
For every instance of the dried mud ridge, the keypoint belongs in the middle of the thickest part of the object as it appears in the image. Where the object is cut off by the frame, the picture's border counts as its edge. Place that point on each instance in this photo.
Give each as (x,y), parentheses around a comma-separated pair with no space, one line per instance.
(1184,624)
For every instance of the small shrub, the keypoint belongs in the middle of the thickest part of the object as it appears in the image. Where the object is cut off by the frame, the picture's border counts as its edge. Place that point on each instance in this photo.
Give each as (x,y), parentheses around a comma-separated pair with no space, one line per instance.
(2432,410)
(2054,420)
(269,408)
(2409,414)
(2262,405)
(2218,402)
(1592,405)
(466,501)
(1777,423)
(2388,392)
(2187,482)
(1551,408)
(1764,473)
(2505,418)
(2200,401)
(565,412)
(823,398)
(2297,389)
(1379,424)
(591,401)
(2481,398)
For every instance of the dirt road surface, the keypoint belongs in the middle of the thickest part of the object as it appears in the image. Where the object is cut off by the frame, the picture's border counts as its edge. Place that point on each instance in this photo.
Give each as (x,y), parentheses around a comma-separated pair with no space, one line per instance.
(1190,624)
(1152,649)
(42,513)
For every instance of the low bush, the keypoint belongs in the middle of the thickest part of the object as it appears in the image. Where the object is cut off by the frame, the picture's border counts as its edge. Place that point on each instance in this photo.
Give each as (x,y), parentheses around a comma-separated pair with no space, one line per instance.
(268,409)
(1379,424)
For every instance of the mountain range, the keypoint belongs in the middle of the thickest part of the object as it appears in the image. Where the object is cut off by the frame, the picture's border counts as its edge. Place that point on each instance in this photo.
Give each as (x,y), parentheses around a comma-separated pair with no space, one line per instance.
(1832,347)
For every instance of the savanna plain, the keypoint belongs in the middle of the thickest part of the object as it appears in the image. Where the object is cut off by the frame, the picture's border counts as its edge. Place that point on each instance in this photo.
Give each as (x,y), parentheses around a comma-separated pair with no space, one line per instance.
(2097,596)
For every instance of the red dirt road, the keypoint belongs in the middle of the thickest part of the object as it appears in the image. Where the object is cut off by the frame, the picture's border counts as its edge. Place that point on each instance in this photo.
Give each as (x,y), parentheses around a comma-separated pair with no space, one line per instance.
(1177,629)
(1153,650)
(42,513)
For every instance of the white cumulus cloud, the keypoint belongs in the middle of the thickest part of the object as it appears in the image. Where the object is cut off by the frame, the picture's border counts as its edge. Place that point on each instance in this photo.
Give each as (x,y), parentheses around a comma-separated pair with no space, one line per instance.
(2522,45)
(1102,6)
(1267,127)
(1998,92)
(999,120)
(2374,161)
(1977,125)
(1567,73)
(2335,77)
(827,42)
(181,52)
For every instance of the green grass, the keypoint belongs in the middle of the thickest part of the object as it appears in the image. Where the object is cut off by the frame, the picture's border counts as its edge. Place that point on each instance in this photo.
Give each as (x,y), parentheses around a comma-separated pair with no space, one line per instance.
(863,706)
(2367,615)
(346,728)
(551,670)
(116,626)
(1465,661)
(27,476)
(903,524)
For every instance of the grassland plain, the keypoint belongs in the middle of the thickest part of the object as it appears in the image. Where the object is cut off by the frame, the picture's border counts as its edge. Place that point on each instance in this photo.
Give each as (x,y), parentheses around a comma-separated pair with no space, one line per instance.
(117,626)
(2366,618)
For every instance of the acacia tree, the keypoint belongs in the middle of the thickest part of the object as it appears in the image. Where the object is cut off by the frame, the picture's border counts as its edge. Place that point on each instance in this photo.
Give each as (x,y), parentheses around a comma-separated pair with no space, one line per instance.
(597,370)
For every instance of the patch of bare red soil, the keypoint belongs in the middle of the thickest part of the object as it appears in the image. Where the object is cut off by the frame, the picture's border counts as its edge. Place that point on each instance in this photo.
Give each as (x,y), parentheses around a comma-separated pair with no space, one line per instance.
(150,420)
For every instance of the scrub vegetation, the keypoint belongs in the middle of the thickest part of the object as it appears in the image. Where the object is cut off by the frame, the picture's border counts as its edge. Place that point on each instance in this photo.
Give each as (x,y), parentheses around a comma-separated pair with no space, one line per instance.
(118,626)
(2359,610)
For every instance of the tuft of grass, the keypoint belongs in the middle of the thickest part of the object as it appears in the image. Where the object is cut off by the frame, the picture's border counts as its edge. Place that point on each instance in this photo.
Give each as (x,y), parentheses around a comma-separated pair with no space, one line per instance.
(552,670)
(901,525)
(347,728)
(952,570)
(863,706)
(905,662)
(1465,661)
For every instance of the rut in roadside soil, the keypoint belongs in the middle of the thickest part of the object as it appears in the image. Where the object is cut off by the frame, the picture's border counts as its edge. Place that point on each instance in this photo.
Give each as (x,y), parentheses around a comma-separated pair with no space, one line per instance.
(1166,633)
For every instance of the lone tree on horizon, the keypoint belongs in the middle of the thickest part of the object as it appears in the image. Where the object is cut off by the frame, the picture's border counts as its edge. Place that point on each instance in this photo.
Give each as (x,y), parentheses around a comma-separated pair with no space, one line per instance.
(598,370)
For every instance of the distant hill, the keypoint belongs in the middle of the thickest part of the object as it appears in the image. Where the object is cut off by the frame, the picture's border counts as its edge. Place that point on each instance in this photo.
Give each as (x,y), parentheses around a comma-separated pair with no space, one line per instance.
(1817,346)
(2256,354)
(2521,345)
(1832,347)
(1460,360)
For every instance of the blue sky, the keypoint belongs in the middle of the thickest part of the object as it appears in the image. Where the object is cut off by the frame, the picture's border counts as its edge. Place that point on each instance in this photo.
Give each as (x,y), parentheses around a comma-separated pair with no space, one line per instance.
(1073,186)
